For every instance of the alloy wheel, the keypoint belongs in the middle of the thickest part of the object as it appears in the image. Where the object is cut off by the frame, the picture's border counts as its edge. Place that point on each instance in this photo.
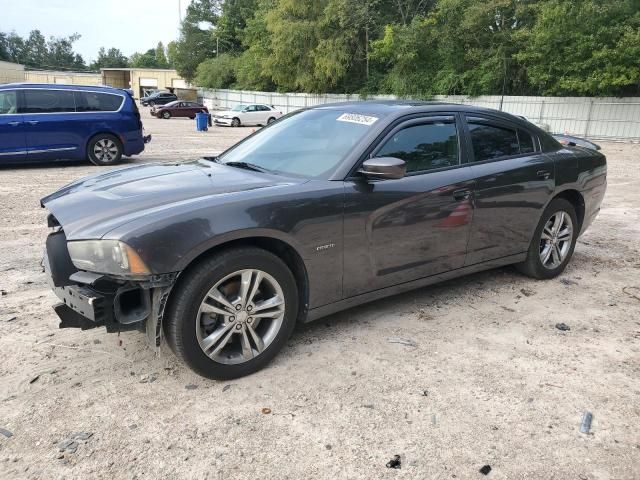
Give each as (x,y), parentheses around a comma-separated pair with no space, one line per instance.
(105,150)
(555,240)
(240,316)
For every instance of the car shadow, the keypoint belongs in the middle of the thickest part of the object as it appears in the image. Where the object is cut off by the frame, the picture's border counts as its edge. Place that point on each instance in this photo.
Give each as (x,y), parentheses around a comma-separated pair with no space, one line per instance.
(441,293)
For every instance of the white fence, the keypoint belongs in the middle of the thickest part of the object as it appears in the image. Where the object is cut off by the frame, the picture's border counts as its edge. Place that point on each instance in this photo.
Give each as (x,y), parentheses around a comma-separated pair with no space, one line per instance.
(590,117)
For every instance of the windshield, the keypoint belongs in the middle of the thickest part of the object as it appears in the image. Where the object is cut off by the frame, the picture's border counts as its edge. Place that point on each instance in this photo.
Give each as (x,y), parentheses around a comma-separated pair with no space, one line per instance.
(307,144)
(238,108)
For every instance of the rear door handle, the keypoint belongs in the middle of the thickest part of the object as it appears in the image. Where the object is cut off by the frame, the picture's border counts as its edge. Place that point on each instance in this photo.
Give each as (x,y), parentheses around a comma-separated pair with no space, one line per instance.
(545,174)
(14,124)
(462,194)
(33,122)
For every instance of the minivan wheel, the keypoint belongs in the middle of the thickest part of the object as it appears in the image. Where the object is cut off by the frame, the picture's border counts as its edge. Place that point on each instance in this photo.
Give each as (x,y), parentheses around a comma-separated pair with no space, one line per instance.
(166,115)
(553,241)
(232,313)
(104,149)
(235,122)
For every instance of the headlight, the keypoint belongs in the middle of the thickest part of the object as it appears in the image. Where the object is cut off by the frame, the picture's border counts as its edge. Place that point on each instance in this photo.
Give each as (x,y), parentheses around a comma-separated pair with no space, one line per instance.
(106,256)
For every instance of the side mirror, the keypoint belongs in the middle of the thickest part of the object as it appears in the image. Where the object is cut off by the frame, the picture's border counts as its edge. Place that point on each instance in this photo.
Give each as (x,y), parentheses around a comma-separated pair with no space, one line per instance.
(385,168)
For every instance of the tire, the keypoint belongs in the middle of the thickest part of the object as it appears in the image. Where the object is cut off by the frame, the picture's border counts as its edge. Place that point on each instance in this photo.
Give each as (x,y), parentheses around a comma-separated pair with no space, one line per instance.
(166,115)
(271,120)
(190,330)
(152,104)
(235,122)
(104,149)
(545,237)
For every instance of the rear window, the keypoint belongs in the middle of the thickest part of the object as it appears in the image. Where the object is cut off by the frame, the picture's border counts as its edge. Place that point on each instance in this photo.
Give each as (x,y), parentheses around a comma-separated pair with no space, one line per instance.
(48,101)
(98,102)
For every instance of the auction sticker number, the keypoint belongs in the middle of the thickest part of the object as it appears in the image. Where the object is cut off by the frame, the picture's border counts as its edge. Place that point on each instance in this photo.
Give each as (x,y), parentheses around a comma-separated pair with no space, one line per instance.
(357,118)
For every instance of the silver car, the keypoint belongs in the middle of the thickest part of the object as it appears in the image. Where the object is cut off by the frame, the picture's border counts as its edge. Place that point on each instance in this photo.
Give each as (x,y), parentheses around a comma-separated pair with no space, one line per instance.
(253,114)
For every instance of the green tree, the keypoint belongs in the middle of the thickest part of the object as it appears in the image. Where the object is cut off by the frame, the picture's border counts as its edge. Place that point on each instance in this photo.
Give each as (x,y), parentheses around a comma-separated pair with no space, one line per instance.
(195,45)
(161,57)
(232,22)
(4,50)
(583,47)
(218,72)
(171,53)
(144,60)
(36,51)
(113,58)
(61,55)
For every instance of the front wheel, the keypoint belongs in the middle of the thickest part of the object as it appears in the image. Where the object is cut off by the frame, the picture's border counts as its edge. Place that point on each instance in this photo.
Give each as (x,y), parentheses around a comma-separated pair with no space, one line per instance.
(104,149)
(166,115)
(152,104)
(235,122)
(553,241)
(232,313)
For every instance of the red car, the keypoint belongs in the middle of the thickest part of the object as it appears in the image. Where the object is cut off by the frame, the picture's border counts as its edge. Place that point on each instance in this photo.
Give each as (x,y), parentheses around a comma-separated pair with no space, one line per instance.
(179,108)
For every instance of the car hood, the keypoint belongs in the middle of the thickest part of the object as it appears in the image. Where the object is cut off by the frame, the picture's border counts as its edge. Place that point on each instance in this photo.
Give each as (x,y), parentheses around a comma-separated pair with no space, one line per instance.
(93,206)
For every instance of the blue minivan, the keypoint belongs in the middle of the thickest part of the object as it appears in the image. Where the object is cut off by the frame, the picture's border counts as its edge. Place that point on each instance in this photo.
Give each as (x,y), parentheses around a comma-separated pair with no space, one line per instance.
(43,122)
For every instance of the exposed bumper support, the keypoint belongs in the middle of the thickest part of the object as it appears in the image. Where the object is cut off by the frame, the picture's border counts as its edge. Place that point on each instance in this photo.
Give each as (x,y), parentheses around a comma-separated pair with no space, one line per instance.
(91,300)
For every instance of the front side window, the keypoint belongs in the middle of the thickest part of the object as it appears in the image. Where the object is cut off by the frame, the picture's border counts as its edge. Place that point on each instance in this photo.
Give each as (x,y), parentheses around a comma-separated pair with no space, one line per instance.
(251,108)
(492,141)
(424,147)
(8,102)
(97,102)
(48,101)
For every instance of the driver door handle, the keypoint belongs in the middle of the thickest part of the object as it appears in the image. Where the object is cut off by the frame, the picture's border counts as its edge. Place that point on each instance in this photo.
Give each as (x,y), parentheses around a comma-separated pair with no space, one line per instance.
(33,122)
(14,124)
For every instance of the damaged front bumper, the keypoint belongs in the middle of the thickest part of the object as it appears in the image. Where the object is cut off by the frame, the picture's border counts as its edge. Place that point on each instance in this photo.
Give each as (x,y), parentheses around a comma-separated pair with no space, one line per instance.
(90,300)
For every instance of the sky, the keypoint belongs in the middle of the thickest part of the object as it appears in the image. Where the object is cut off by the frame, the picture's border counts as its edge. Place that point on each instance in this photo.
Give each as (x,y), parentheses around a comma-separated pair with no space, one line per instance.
(130,25)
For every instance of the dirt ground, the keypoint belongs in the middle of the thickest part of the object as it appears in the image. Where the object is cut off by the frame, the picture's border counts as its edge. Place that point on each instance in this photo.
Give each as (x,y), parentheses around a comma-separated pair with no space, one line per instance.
(489,379)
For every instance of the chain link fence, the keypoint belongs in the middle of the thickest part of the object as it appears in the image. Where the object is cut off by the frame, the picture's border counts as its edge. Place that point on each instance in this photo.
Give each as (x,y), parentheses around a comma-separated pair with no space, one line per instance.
(589,117)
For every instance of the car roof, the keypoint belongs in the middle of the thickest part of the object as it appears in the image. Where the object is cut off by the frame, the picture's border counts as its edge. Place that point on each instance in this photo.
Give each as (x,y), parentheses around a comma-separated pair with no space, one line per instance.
(400,108)
(61,86)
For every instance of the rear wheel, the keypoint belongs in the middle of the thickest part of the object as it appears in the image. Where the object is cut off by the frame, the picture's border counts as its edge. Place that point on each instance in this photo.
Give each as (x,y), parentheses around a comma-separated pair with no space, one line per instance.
(232,313)
(235,122)
(166,115)
(104,149)
(553,242)
(271,120)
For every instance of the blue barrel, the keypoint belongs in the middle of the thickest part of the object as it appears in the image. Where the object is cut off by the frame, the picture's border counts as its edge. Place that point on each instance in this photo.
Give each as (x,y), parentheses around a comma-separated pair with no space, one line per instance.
(202,121)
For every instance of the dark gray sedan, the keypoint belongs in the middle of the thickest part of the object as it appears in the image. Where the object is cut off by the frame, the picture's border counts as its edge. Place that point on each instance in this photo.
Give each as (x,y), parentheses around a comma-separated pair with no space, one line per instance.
(325,209)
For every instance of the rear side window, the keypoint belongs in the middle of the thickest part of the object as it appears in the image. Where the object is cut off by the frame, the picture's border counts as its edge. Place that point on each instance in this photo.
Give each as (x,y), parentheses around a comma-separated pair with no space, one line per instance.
(526,141)
(8,102)
(493,141)
(97,102)
(48,101)
(424,147)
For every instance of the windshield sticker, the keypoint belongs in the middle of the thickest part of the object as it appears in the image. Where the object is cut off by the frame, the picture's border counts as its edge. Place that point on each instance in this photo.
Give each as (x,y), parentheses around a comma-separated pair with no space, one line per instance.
(357,118)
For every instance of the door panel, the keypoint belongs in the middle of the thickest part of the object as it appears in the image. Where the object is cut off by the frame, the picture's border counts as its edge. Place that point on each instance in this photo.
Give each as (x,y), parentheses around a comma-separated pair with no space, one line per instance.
(52,128)
(509,197)
(401,230)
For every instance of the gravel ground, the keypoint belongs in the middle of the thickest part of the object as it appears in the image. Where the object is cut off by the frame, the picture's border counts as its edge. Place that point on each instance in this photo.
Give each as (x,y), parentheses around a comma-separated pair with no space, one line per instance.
(486,380)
